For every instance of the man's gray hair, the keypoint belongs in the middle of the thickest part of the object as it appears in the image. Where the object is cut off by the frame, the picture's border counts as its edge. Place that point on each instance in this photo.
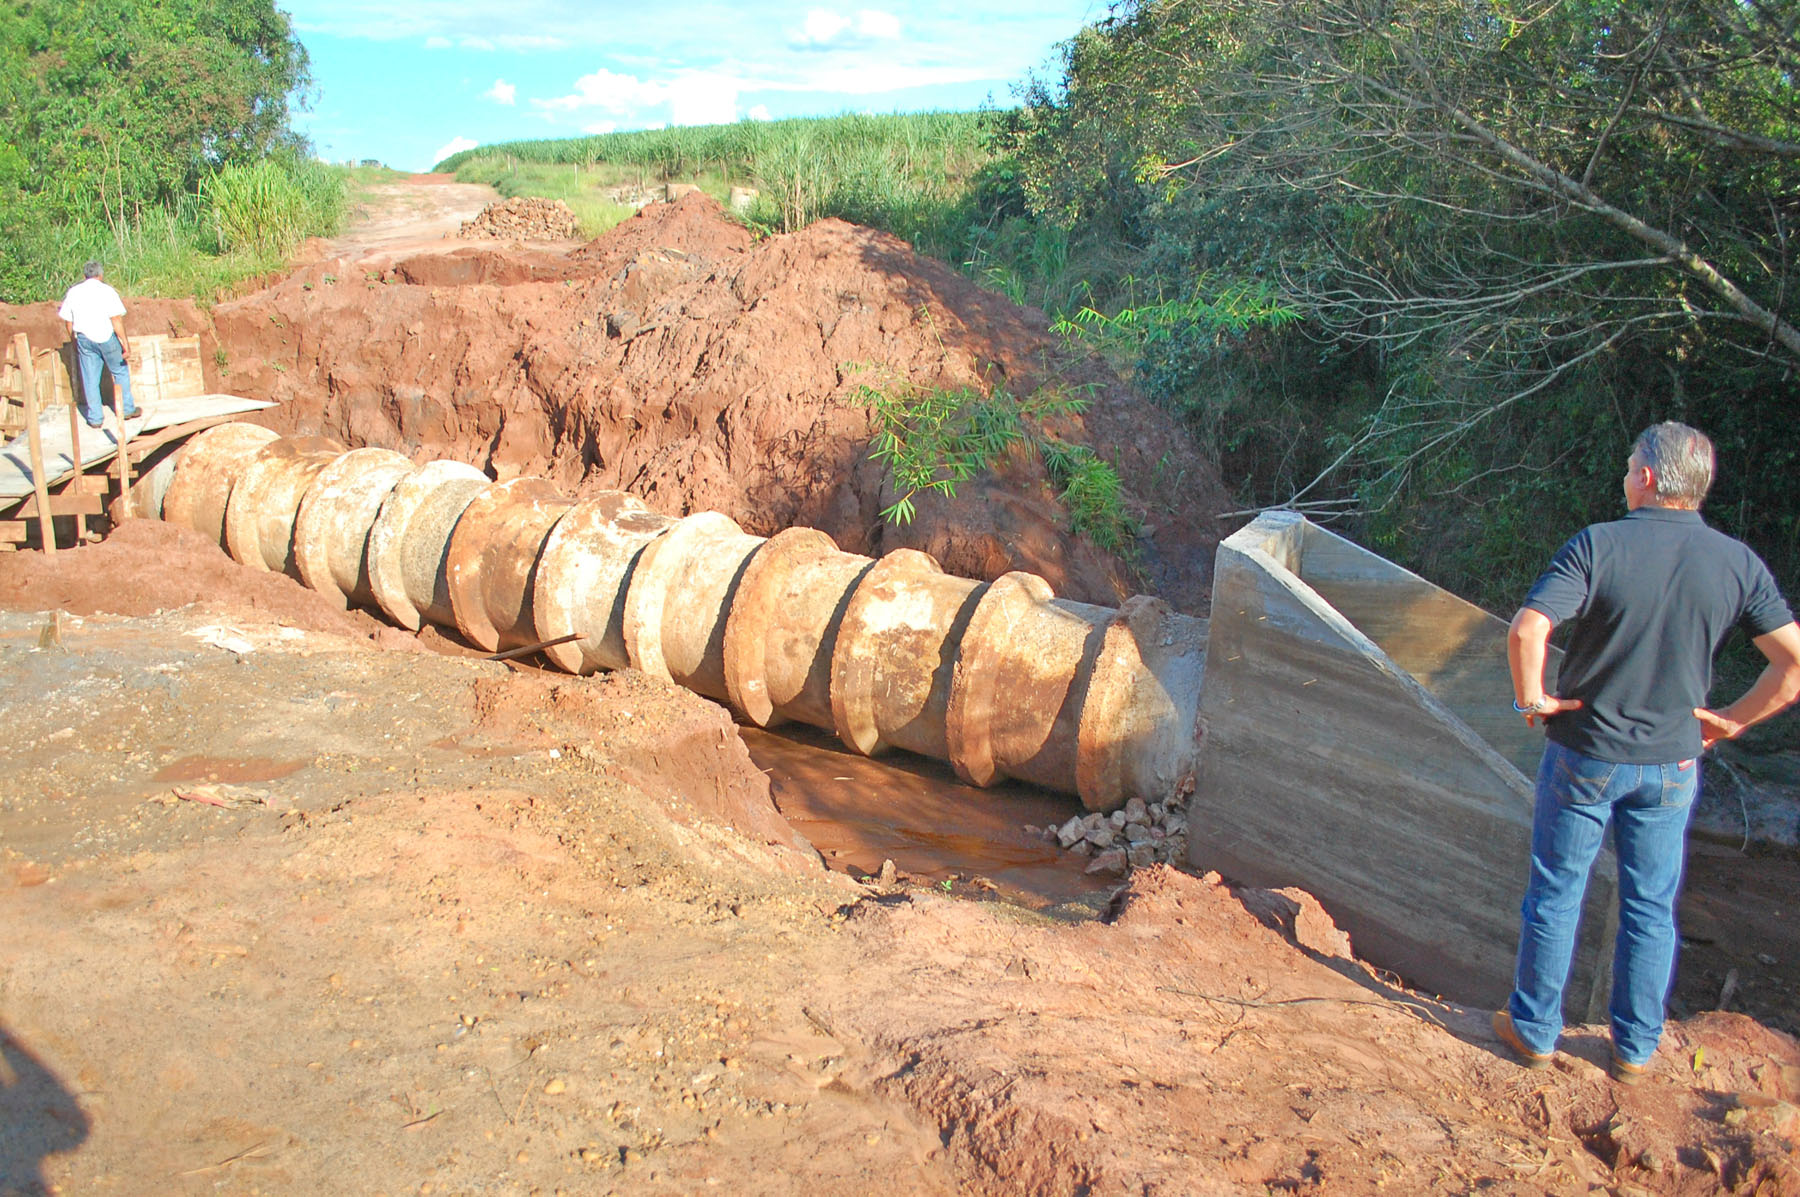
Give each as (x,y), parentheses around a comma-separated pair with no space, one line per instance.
(91,269)
(1682,459)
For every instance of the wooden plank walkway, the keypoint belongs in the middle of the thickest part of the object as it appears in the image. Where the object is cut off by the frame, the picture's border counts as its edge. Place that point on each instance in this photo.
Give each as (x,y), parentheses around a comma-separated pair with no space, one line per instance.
(99,445)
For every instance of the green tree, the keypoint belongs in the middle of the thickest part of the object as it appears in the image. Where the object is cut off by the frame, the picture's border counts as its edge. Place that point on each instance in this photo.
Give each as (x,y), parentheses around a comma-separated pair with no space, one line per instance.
(115,106)
(1516,229)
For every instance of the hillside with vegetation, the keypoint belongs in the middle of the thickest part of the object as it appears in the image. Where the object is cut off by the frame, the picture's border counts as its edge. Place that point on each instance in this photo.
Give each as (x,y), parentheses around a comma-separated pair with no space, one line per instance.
(1423,267)
(156,137)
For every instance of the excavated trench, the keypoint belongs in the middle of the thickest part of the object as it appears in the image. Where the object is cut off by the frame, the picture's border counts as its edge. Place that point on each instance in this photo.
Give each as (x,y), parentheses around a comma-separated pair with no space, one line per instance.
(1001,682)
(676,360)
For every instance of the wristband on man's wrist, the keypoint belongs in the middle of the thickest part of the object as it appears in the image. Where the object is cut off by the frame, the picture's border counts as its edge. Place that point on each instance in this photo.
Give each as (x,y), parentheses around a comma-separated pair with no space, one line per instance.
(1534,708)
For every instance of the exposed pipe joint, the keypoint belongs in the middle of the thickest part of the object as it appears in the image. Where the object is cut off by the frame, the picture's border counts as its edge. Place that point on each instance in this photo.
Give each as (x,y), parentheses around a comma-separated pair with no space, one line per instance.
(1002,679)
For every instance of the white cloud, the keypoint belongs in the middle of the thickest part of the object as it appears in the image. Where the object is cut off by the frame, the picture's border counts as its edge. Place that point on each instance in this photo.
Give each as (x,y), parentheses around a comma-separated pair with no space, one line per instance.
(475,43)
(437,42)
(610,92)
(701,99)
(690,98)
(759,112)
(455,145)
(824,29)
(876,25)
(502,92)
(600,127)
(821,28)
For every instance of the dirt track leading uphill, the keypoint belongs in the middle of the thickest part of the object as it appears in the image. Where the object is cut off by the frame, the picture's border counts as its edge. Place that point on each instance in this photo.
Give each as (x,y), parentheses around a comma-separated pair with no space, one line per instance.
(281,912)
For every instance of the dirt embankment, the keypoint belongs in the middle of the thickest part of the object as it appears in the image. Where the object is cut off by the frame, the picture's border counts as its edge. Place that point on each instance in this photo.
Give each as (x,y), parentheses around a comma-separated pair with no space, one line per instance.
(278,910)
(675,359)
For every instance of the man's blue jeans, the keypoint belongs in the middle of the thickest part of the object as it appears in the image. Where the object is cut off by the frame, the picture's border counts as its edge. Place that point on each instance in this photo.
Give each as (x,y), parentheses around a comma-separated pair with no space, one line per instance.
(1648,806)
(92,356)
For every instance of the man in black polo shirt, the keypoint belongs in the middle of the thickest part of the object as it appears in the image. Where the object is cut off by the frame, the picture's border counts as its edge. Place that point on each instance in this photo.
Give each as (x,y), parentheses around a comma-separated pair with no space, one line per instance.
(1652,597)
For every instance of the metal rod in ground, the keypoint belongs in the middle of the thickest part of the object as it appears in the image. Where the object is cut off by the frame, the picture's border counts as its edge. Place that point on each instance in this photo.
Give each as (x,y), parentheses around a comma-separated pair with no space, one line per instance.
(525,650)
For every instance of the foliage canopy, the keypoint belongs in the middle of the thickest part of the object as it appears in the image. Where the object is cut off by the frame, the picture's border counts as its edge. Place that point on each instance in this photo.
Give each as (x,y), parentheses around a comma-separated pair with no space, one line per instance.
(117,107)
(1516,231)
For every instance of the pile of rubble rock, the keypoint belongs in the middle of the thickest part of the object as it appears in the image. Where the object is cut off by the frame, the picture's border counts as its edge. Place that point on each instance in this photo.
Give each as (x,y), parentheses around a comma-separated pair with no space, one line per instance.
(524,218)
(1136,835)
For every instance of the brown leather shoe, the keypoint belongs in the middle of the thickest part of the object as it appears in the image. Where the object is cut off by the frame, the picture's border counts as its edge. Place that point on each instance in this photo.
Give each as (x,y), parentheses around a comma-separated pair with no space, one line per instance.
(1509,1035)
(1625,1072)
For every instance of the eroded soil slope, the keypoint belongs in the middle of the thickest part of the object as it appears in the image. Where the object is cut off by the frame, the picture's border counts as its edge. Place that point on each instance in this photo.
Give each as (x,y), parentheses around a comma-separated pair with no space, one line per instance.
(454,927)
(676,359)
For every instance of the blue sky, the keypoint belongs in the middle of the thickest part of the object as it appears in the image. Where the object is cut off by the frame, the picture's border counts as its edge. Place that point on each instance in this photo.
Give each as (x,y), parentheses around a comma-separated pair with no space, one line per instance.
(406,82)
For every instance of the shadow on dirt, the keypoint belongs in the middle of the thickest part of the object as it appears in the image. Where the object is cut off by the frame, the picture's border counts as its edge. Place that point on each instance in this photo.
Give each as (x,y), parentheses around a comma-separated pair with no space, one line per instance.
(38,1118)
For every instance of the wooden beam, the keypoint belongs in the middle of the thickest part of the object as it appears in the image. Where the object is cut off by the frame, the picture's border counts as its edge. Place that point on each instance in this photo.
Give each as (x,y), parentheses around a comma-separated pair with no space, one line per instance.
(28,374)
(80,503)
(75,423)
(124,450)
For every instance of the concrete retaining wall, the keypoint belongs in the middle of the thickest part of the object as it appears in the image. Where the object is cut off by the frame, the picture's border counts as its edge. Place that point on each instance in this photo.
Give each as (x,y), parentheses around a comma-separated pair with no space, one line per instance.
(1359,743)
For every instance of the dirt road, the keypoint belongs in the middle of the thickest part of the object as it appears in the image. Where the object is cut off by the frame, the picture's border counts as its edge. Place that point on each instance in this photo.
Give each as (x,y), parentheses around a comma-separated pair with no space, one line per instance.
(289,904)
(414,213)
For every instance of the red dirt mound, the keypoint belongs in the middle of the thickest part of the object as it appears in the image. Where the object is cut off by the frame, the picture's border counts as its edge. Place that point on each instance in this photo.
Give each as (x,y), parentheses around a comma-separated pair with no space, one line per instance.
(173,317)
(676,359)
(111,578)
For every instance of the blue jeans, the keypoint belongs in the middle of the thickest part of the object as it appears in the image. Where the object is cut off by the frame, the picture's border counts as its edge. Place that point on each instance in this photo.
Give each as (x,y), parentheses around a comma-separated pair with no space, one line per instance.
(92,355)
(1648,806)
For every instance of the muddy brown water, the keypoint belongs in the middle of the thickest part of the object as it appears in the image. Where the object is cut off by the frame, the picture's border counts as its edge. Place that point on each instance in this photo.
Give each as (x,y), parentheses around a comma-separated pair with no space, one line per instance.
(227,769)
(859,811)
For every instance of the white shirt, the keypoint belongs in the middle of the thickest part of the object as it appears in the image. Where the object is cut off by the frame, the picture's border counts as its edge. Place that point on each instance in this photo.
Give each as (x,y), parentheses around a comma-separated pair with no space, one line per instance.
(90,306)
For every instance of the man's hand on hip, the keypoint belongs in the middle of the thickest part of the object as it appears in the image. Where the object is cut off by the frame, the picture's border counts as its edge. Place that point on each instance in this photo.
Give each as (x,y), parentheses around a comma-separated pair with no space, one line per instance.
(1715,727)
(1550,705)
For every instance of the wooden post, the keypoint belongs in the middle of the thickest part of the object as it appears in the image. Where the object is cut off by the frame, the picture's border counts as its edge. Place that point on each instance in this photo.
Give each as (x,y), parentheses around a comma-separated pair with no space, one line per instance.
(75,423)
(124,439)
(28,375)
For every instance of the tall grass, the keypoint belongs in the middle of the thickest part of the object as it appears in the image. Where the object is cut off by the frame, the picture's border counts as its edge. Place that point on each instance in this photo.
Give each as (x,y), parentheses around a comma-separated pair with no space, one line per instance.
(200,246)
(911,174)
(273,204)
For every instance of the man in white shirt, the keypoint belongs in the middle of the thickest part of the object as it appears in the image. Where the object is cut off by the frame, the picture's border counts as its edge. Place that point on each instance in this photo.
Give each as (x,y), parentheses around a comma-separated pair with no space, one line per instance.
(95,314)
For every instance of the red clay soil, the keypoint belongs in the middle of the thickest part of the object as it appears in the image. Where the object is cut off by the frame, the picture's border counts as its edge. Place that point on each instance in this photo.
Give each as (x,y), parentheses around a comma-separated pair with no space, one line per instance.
(1201,1042)
(146,566)
(482,930)
(676,359)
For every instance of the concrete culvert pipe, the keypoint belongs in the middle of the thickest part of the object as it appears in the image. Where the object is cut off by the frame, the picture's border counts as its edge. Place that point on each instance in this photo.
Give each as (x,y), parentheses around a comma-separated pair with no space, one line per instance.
(783,626)
(331,531)
(1138,734)
(895,651)
(678,598)
(409,543)
(259,518)
(582,577)
(1003,679)
(1022,668)
(144,500)
(492,564)
(207,468)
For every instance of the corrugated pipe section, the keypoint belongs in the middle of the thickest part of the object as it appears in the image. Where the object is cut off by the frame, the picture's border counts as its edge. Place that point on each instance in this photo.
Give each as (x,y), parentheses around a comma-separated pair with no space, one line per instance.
(1002,679)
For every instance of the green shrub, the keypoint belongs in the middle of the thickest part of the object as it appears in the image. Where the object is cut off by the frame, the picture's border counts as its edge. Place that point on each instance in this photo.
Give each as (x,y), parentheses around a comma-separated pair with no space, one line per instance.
(933,439)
